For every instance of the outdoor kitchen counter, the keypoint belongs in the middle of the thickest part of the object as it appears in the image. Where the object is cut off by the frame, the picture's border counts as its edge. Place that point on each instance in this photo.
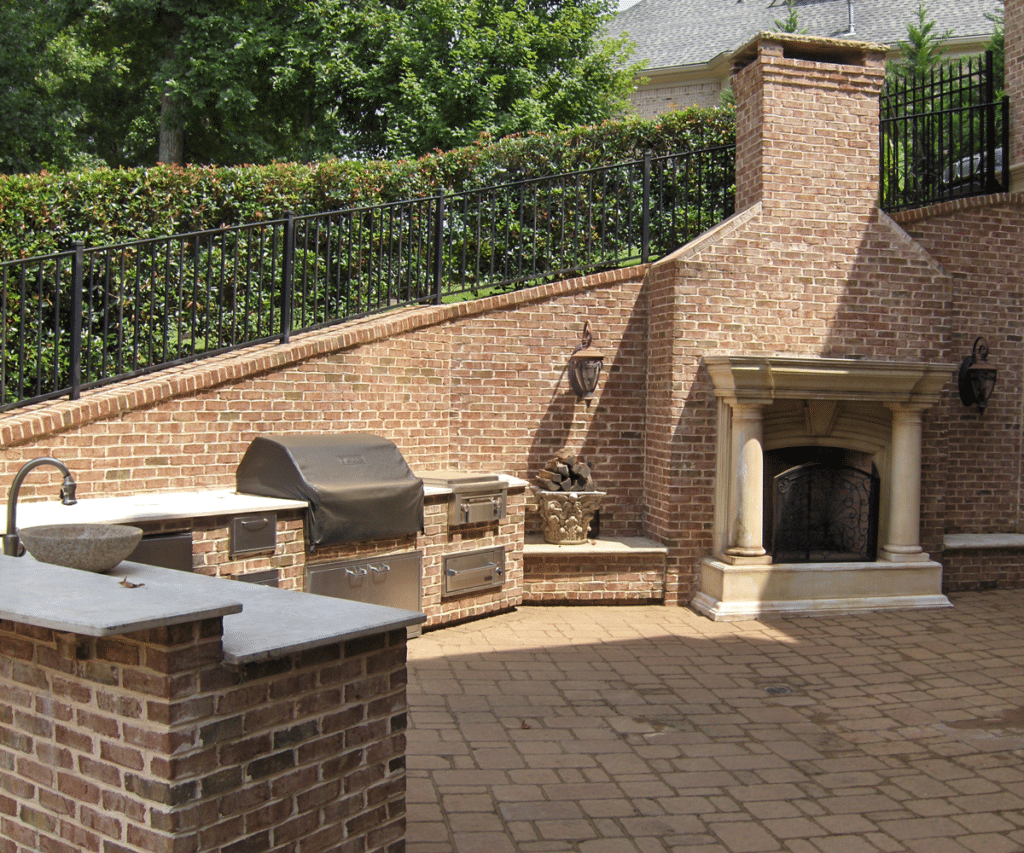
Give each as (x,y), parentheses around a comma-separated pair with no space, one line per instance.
(150,506)
(260,623)
(163,506)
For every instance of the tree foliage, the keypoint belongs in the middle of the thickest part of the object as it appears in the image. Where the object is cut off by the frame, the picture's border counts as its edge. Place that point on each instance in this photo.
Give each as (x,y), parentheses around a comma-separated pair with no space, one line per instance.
(921,51)
(42,213)
(134,82)
(791,23)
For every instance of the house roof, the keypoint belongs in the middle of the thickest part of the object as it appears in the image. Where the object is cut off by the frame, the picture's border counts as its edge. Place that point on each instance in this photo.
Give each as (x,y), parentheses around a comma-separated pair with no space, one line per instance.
(672,33)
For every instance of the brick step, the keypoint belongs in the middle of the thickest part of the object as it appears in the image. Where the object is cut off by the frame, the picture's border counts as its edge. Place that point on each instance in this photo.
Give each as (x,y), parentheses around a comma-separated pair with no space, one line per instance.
(611,570)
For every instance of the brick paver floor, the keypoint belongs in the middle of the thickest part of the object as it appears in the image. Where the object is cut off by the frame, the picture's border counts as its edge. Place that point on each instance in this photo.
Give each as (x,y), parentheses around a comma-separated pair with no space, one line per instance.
(653,729)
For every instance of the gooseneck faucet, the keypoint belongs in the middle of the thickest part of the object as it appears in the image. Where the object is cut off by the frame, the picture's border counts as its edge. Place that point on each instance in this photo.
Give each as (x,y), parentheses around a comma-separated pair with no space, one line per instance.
(12,542)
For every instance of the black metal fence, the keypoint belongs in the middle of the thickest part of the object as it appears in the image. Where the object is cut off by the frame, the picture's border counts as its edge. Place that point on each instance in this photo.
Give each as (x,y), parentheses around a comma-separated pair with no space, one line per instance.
(89,316)
(943,135)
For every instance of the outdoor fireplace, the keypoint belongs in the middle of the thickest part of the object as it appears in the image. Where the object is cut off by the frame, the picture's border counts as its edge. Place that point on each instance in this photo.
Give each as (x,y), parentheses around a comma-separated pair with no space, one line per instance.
(817,501)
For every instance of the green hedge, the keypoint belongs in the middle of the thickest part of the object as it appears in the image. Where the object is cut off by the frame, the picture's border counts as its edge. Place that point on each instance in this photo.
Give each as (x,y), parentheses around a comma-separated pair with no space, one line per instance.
(43,213)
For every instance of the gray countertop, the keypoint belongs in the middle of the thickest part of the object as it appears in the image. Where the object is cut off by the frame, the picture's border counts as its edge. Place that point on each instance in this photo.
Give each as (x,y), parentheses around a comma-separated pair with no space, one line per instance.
(150,506)
(260,623)
(163,506)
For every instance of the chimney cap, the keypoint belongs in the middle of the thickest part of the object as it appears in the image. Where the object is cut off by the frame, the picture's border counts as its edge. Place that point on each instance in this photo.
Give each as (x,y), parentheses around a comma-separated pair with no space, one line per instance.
(809,48)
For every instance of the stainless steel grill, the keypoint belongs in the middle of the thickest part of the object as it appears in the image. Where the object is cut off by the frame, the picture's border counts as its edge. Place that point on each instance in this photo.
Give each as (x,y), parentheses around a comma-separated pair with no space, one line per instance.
(358,485)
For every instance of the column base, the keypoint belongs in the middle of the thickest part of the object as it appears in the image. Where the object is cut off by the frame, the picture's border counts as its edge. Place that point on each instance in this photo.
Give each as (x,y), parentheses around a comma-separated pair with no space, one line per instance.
(736,592)
(902,554)
(752,559)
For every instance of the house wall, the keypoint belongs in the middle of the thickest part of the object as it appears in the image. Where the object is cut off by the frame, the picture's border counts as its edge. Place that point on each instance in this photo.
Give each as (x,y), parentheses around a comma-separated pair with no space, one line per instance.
(148,743)
(652,100)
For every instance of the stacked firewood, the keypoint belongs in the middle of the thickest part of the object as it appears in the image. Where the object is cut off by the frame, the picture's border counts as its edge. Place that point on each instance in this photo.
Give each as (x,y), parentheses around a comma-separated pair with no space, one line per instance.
(567,473)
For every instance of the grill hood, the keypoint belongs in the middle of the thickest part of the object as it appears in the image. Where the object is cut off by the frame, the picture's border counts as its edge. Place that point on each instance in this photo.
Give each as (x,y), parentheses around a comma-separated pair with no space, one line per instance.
(358,485)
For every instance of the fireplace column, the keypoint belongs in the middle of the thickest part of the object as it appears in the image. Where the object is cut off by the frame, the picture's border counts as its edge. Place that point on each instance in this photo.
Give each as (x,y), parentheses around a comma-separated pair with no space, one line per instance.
(746,495)
(904,545)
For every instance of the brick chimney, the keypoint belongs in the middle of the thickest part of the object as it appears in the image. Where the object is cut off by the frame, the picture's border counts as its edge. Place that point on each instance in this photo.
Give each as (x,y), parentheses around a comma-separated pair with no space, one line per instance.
(1013,31)
(807,125)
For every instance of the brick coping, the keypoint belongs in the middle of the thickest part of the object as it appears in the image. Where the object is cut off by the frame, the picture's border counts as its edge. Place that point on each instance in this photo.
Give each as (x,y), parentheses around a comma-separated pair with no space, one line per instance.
(54,417)
(945,208)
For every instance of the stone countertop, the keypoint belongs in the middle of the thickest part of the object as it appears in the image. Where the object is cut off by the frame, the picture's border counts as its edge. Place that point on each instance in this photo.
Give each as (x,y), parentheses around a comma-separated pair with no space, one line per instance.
(260,623)
(163,506)
(149,506)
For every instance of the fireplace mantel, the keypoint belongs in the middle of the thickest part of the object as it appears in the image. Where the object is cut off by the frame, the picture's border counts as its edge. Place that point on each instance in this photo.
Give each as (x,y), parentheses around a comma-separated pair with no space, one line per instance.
(879,405)
(762,379)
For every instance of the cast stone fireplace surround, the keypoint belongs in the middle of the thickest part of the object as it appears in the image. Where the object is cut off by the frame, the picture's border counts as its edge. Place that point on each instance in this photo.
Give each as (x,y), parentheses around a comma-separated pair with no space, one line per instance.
(772,402)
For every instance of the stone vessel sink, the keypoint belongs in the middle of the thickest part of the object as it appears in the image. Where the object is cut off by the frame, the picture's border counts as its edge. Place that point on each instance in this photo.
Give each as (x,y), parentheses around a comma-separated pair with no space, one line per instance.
(91,547)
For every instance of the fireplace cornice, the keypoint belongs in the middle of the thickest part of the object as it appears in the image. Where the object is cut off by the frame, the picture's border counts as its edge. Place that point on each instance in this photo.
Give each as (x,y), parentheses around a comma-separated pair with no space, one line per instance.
(762,379)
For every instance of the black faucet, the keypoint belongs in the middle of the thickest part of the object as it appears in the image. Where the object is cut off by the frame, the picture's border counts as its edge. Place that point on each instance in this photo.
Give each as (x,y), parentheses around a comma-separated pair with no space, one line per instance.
(12,542)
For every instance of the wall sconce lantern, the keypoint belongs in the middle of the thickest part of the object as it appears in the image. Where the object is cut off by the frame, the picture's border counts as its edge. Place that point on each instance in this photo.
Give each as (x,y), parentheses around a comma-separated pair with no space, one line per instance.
(585,366)
(977,378)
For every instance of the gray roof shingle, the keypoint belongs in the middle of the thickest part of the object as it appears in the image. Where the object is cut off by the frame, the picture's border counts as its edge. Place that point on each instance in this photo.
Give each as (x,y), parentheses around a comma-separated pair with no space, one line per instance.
(669,33)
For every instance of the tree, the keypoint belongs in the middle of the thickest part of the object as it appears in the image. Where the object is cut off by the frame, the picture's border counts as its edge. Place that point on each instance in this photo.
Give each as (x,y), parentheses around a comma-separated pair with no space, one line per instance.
(997,45)
(921,51)
(791,23)
(41,70)
(438,73)
(254,81)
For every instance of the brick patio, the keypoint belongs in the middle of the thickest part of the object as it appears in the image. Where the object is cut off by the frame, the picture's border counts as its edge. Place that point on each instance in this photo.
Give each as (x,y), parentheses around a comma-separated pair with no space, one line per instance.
(652,729)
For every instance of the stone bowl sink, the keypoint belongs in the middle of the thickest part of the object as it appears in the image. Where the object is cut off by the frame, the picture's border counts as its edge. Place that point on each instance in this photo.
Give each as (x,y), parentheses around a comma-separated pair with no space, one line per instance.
(90,547)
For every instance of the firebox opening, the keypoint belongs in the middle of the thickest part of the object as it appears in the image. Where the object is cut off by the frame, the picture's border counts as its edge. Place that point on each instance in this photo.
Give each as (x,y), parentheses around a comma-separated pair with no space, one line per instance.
(820,505)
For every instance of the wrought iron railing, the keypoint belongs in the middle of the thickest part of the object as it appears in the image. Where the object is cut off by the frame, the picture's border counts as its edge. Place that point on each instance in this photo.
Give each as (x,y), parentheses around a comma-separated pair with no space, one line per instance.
(88,316)
(943,135)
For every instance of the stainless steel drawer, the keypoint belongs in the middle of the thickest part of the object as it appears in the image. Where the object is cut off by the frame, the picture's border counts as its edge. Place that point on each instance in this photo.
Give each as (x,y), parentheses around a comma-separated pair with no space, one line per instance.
(473,509)
(476,570)
(253,534)
(392,580)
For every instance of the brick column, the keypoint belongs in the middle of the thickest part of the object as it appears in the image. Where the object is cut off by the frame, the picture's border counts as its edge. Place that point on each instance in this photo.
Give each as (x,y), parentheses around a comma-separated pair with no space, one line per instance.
(1014,34)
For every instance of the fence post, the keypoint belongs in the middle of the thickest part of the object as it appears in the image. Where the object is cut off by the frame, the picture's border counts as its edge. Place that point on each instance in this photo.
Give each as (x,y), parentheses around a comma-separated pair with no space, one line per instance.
(645,220)
(286,275)
(992,183)
(1004,178)
(77,283)
(438,247)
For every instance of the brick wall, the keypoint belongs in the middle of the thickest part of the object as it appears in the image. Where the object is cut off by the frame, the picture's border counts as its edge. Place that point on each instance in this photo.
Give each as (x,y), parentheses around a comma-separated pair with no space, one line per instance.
(479,385)
(148,742)
(1013,29)
(982,568)
(599,579)
(651,101)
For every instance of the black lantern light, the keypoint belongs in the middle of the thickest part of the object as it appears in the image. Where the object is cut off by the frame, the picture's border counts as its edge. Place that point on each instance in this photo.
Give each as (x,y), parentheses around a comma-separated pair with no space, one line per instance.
(585,366)
(977,377)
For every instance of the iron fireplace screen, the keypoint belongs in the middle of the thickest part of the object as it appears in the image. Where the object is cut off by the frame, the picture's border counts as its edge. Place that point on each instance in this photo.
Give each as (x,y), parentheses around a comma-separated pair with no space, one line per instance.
(358,485)
(825,513)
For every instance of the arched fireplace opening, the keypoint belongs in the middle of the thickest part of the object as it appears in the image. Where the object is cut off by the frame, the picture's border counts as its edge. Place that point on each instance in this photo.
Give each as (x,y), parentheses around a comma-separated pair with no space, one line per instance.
(820,505)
